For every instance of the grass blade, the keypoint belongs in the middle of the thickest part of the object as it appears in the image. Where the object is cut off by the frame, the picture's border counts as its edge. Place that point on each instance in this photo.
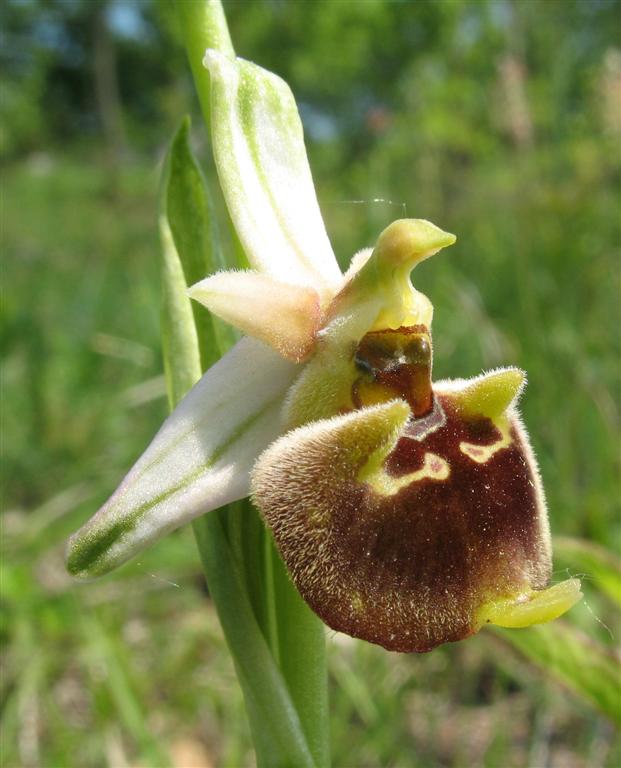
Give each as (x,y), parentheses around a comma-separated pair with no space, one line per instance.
(598,564)
(586,667)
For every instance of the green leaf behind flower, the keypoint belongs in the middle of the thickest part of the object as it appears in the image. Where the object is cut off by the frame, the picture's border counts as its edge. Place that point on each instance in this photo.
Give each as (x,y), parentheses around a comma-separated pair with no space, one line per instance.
(187,213)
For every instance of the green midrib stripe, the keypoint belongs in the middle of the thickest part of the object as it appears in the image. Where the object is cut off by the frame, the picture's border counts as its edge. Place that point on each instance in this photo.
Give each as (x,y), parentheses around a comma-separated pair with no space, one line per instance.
(244,110)
(92,549)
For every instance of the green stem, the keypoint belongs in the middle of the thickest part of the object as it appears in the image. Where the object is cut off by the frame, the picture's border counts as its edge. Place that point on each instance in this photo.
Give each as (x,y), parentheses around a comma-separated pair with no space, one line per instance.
(292,632)
(276,730)
(203,25)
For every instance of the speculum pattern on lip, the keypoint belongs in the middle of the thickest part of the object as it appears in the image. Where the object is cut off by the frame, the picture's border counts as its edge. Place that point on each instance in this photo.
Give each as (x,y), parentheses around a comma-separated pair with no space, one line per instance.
(428,556)
(405,552)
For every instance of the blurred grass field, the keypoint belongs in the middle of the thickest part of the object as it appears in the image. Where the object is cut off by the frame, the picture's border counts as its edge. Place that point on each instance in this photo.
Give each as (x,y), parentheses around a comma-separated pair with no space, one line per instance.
(133,670)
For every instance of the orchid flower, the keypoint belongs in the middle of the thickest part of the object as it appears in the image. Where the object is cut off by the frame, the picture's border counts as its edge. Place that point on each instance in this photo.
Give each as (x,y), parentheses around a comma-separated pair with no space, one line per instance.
(407,513)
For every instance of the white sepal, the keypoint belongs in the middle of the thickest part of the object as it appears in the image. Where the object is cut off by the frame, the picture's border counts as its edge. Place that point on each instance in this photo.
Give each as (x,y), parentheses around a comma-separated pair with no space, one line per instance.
(199,460)
(260,156)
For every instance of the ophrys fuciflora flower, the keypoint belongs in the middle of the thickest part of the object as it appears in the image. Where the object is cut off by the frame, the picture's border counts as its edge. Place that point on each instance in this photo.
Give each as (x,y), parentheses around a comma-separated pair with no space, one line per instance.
(407,513)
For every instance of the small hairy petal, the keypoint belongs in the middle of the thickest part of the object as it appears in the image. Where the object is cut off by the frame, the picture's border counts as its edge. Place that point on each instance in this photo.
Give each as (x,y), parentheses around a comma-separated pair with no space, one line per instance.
(199,460)
(283,315)
(413,532)
(264,174)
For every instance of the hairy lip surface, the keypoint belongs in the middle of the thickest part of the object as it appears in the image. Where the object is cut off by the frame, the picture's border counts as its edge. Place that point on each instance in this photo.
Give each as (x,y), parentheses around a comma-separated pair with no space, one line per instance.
(409,570)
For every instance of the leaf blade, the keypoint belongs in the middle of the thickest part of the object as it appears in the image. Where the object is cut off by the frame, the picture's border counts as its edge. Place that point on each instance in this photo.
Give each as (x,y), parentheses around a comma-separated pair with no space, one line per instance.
(187,211)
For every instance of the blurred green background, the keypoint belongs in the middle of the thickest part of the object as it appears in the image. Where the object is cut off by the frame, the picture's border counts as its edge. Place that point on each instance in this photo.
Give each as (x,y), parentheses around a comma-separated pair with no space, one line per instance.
(499,121)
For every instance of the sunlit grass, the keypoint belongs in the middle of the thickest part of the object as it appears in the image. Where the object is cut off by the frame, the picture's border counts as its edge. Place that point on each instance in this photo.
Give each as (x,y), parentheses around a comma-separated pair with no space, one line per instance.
(133,670)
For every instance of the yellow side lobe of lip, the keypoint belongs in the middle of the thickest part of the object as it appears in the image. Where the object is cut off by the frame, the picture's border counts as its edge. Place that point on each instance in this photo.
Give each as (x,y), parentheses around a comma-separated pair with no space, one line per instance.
(532,607)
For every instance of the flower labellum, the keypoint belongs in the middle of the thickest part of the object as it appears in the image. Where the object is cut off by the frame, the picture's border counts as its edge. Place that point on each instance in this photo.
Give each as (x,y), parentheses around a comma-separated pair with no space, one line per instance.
(408,513)
(413,514)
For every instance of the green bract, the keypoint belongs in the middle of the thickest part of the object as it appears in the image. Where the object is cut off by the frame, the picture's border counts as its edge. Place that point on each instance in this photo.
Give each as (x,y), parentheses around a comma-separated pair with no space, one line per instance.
(408,513)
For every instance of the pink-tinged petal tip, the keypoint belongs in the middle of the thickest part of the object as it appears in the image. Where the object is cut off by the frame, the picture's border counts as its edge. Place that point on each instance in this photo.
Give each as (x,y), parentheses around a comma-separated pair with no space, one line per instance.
(285,316)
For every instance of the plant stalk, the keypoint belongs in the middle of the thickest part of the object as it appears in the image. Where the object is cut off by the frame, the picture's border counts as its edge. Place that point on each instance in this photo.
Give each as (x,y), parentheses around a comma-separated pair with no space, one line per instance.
(236,541)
